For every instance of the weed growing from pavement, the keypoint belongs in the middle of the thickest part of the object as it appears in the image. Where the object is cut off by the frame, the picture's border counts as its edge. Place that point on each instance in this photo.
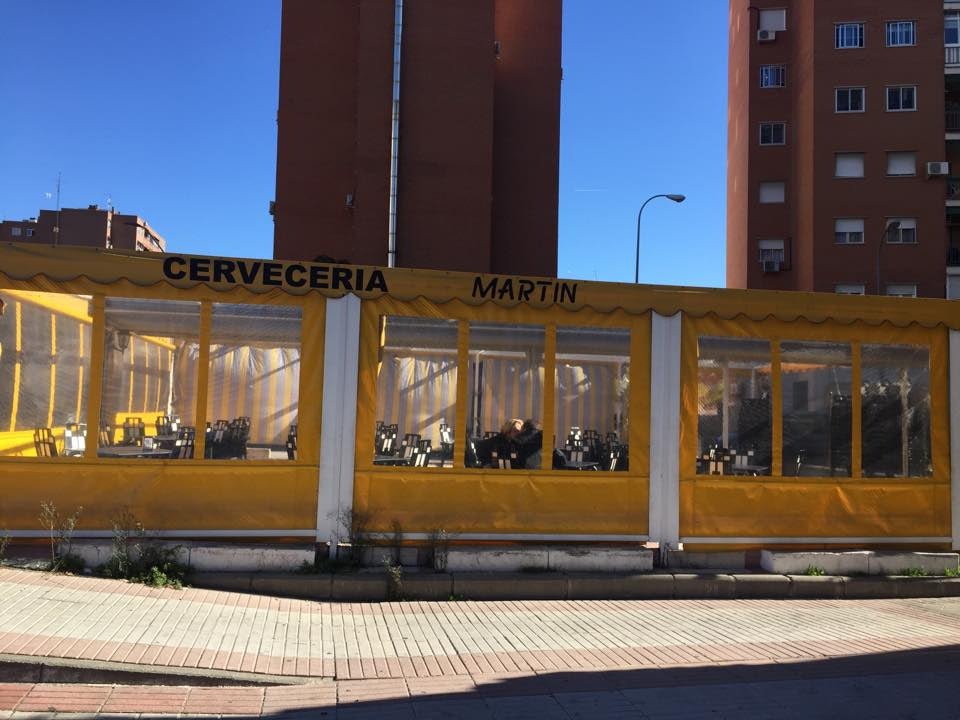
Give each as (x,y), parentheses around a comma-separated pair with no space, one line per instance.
(814,570)
(394,579)
(439,549)
(135,559)
(913,572)
(4,542)
(61,530)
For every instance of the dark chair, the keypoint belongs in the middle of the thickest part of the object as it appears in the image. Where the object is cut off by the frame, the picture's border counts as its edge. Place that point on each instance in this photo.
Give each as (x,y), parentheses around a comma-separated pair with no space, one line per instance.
(216,440)
(44,442)
(470,458)
(133,431)
(504,456)
(446,442)
(387,441)
(421,454)
(162,424)
(238,437)
(292,443)
(183,446)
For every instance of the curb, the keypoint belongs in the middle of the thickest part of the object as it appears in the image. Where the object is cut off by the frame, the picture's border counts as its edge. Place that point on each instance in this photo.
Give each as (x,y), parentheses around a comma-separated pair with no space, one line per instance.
(374,586)
(31,669)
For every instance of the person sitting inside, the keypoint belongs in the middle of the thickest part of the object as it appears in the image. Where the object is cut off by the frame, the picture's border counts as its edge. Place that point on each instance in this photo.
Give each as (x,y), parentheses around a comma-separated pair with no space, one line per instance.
(519,442)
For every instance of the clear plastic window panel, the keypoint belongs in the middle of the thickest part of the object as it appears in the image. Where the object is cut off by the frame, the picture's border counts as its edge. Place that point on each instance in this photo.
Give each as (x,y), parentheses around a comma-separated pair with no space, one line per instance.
(150,359)
(734,431)
(416,393)
(44,373)
(815,380)
(895,411)
(592,398)
(504,425)
(253,382)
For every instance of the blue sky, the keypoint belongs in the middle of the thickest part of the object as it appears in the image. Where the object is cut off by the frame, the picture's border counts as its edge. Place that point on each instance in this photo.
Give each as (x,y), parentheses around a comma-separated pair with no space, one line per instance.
(168,110)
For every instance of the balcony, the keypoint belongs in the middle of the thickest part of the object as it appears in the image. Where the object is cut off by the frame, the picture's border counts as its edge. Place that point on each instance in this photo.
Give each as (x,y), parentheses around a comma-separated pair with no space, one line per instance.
(952,56)
(953,121)
(953,189)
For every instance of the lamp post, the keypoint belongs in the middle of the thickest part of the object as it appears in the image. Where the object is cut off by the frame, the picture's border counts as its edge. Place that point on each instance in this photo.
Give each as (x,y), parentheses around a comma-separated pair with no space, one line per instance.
(890,226)
(670,196)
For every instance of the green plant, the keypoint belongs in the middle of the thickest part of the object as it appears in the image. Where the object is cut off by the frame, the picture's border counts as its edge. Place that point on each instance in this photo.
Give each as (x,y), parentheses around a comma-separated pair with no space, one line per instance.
(394,579)
(913,572)
(397,540)
(439,549)
(61,531)
(352,524)
(952,572)
(455,597)
(134,559)
(4,542)
(814,570)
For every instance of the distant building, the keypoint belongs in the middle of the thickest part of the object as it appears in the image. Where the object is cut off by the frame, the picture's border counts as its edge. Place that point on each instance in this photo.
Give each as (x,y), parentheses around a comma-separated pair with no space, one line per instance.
(474,153)
(91,226)
(844,146)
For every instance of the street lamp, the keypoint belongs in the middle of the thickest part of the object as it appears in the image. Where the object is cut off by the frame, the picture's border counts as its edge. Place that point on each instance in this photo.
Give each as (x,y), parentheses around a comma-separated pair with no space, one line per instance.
(891,226)
(670,196)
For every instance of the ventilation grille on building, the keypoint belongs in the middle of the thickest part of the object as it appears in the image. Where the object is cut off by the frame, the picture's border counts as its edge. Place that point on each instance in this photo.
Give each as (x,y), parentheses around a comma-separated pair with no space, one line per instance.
(938,168)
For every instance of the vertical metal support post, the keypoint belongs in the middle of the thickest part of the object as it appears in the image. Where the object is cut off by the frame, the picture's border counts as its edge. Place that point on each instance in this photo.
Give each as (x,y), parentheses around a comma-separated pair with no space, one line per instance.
(665,431)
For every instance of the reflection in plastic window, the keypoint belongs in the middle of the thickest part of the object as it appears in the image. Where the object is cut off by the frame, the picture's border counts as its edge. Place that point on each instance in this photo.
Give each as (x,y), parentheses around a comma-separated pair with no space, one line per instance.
(506,396)
(253,382)
(592,388)
(44,373)
(817,420)
(416,392)
(733,406)
(895,389)
(149,378)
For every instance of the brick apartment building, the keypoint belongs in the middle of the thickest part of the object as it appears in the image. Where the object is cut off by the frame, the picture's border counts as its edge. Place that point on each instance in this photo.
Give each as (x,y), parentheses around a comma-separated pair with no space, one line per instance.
(92,226)
(843,144)
(463,177)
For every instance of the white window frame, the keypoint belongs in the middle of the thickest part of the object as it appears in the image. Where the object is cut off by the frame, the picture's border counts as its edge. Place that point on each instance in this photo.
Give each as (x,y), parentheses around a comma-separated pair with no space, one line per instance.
(776,189)
(839,42)
(848,90)
(770,250)
(948,19)
(772,19)
(16,231)
(850,289)
(900,290)
(849,156)
(774,72)
(771,126)
(891,24)
(845,231)
(896,237)
(902,156)
(900,89)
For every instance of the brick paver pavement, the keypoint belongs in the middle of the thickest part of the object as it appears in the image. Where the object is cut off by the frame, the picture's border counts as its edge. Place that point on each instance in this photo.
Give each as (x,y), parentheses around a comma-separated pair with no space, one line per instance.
(564,659)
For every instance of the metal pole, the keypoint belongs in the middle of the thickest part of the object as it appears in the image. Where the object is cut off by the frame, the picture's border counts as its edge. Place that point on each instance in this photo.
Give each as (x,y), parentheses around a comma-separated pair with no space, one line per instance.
(672,196)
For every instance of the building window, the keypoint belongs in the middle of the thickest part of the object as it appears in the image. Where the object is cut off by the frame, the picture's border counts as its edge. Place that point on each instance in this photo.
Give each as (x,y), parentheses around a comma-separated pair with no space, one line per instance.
(771,251)
(902,98)
(901,163)
(772,192)
(771,19)
(15,231)
(901,32)
(951,29)
(848,231)
(848,165)
(849,100)
(850,289)
(848,35)
(902,290)
(773,76)
(30,232)
(906,234)
(773,133)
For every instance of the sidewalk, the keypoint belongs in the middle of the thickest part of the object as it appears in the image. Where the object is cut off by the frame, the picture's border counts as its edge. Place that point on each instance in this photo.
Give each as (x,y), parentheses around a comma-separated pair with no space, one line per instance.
(460,651)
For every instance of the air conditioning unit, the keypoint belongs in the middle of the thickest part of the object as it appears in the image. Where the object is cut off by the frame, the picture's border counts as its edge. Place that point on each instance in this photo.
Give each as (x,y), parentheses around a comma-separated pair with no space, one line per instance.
(766,35)
(771,266)
(938,168)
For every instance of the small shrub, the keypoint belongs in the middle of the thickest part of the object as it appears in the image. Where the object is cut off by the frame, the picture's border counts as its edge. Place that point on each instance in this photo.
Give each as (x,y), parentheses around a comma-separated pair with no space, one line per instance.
(814,571)
(61,537)
(352,525)
(394,579)
(4,542)
(439,549)
(913,572)
(133,559)
(952,572)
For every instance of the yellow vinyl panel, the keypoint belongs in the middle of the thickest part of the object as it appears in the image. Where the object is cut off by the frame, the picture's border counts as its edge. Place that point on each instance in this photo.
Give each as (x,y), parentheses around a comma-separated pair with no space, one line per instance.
(486,501)
(163,495)
(724,506)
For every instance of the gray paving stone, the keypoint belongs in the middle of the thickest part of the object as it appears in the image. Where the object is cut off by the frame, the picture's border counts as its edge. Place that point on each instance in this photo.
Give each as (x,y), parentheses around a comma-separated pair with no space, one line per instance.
(542,707)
